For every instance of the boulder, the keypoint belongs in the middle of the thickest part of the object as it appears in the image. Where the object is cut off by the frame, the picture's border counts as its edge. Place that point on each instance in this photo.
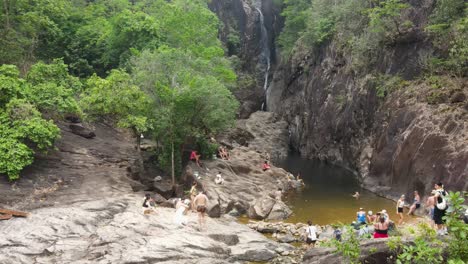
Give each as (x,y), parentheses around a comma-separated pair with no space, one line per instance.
(287,238)
(159,199)
(229,240)
(279,211)
(213,209)
(170,203)
(164,188)
(80,130)
(257,255)
(261,208)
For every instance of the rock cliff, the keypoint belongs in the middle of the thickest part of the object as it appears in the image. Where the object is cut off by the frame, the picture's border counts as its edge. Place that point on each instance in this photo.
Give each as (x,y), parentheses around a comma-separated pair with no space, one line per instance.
(397,142)
(250,46)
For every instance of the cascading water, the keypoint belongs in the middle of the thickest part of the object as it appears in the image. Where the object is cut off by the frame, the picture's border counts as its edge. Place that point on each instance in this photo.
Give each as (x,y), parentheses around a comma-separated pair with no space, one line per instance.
(265,55)
(265,47)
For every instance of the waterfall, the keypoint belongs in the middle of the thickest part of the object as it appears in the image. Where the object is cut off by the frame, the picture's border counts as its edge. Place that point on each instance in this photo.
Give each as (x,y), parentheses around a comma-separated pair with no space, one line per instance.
(265,55)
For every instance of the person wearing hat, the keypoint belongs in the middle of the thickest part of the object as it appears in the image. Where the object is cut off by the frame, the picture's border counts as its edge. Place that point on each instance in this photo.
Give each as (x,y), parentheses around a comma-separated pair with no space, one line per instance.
(361,216)
(371,218)
(400,205)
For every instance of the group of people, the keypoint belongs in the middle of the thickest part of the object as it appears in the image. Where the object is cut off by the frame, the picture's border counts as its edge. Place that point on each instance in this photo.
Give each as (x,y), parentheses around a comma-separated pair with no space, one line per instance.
(197,203)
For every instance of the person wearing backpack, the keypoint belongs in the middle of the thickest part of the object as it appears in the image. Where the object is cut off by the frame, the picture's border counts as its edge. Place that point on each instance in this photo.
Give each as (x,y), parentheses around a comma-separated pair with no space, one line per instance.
(440,208)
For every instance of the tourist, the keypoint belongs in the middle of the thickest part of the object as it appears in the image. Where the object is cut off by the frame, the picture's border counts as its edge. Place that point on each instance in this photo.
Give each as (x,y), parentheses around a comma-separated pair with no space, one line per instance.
(278,194)
(361,216)
(416,203)
(337,233)
(356,195)
(311,234)
(400,205)
(385,215)
(430,203)
(299,180)
(193,194)
(381,228)
(195,157)
(266,166)
(200,202)
(219,179)
(440,208)
(222,153)
(148,204)
(181,210)
(226,153)
(371,218)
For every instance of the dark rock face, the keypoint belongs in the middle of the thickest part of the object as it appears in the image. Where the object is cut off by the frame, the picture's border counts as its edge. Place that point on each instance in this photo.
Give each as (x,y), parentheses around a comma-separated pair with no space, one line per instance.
(399,143)
(241,19)
(80,130)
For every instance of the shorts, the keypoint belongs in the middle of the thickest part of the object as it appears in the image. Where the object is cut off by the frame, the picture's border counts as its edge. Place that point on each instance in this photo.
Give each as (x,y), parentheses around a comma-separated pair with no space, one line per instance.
(400,209)
(201,208)
(438,216)
(377,235)
(310,241)
(418,205)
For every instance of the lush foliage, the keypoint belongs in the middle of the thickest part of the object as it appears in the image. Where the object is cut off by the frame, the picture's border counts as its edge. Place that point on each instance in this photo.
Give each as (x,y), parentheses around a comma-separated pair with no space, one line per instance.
(349,248)
(153,66)
(458,247)
(118,99)
(23,130)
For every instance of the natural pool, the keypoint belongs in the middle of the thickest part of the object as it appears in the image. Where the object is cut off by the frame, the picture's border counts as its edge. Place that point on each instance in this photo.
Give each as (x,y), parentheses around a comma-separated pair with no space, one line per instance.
(326,197)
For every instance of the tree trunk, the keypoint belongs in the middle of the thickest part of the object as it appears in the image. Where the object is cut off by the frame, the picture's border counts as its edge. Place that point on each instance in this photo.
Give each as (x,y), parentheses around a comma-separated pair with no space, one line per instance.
(172,164)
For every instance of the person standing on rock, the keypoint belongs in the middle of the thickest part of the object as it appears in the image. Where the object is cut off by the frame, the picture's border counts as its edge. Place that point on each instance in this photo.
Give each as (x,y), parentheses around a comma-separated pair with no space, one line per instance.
(416,203)
(311,234)
(181,210)
(200,202)
(440,208)
(148,204)
(193,194)
(400,205)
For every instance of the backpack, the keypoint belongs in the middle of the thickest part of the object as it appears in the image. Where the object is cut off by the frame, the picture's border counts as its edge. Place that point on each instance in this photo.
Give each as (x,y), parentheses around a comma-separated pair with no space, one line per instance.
(442,205)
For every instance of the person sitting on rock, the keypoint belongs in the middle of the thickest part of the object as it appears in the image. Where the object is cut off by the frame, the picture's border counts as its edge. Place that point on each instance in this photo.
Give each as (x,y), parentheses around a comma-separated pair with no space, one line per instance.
(148,204)
(361,216)
(278,194)
(371,217)
(381,228)
(219,179)
(266,166)
(195,157)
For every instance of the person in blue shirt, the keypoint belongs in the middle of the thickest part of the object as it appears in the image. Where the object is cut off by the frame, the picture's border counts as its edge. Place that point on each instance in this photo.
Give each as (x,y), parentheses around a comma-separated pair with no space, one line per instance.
(361,216)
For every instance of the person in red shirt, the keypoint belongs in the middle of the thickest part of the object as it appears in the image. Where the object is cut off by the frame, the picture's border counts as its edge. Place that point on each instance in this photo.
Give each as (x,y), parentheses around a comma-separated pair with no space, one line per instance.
(265,166)
(195,157)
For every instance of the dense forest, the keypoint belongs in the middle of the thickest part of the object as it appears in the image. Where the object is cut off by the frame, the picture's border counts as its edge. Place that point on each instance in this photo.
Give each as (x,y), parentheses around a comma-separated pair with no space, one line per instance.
(154,67)
(363,28)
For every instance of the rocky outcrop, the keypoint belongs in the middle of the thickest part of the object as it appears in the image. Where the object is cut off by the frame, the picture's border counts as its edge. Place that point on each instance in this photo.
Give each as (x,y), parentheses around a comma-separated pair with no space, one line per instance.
(248,189)
(114,230)
(398,141)
(83,210)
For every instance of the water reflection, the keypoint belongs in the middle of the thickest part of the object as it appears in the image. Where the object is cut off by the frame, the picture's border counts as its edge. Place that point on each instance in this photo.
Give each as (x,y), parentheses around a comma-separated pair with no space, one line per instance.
(327,195)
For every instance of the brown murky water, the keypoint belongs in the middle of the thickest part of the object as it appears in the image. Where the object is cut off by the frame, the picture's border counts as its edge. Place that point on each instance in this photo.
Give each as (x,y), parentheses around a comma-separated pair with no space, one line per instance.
(326,197)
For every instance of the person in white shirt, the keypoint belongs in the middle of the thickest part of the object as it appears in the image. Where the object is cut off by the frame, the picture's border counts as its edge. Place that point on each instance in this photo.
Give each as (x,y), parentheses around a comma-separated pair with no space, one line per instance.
(311,234)
(219,179)
(181,210)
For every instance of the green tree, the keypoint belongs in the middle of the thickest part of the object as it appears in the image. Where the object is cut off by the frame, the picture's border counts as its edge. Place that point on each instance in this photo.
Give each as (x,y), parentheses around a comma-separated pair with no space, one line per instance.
(189,97)
(119,100)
